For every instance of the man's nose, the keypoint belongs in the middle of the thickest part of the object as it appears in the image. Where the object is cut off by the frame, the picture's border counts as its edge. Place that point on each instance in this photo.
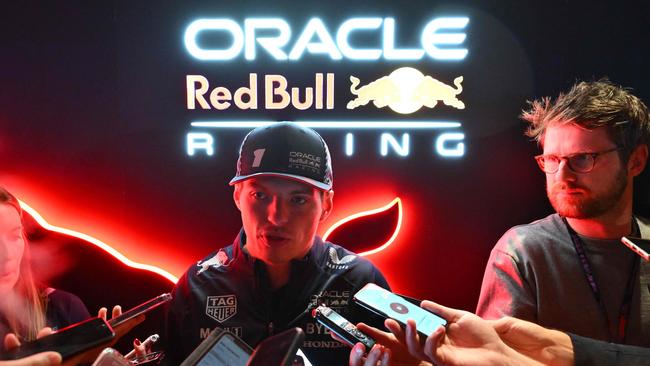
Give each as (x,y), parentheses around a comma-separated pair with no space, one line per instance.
(278,212)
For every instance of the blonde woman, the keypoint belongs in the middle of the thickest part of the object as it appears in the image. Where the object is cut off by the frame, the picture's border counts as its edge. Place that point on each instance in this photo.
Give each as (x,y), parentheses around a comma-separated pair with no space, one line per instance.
(26,307)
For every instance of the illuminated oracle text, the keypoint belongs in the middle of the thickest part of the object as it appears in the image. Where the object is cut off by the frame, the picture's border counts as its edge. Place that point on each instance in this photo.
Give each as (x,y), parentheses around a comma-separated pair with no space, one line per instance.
(441,39)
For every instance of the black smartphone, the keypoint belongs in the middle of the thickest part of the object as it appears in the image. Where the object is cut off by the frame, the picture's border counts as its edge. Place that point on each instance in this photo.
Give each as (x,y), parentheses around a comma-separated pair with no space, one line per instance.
(221,348)
(389,305)
(278,350)
(337,324)
(639,246)
(68,341)
(140,309)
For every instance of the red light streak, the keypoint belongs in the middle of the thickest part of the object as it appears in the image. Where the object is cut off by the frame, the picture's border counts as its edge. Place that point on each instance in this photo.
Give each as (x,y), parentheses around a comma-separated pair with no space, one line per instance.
(397,201)
(107,248)
(126,261)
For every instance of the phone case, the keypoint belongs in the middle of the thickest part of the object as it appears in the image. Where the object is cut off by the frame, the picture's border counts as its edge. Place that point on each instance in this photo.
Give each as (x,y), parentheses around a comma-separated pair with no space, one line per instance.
(140,309)
(278,350)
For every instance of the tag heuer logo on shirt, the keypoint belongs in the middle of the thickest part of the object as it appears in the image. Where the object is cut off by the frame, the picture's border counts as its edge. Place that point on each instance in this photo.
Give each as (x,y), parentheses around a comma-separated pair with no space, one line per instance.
(221,308)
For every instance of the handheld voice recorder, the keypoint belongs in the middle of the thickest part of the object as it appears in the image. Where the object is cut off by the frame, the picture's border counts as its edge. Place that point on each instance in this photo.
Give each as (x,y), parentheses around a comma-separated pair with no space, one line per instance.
(340,326)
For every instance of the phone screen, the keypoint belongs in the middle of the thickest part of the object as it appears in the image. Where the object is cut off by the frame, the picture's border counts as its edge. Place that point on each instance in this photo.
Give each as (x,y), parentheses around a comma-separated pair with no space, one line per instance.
(225,352)
(68,341)
(387,304)
(219,349)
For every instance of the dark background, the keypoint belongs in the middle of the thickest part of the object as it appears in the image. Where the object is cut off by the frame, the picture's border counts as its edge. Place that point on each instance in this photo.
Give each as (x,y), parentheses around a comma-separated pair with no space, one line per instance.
(93,123)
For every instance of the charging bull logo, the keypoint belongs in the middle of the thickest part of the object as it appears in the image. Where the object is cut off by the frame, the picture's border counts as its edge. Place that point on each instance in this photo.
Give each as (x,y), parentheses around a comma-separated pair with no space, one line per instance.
(220,259)
(405,91)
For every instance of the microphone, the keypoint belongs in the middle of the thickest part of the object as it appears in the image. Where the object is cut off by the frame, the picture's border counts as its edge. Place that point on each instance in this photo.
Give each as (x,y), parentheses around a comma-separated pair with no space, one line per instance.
(312,305)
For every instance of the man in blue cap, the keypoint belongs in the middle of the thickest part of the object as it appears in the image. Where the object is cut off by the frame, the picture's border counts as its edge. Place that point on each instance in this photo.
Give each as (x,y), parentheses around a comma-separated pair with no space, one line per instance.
(267,280)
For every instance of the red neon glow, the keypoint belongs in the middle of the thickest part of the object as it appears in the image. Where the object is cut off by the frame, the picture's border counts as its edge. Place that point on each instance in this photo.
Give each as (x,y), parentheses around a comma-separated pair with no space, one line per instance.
(128,262)
(397,201)
(100,244)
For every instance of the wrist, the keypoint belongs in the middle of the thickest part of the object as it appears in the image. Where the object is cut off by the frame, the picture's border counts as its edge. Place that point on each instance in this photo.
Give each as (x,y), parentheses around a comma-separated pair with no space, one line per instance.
(560,352)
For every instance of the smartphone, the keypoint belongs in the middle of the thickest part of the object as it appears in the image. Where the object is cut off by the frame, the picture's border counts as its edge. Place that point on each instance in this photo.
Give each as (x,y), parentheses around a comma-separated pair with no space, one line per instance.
(346,331)
(220,348)
(140,309)
(278,350)
(68,341)
(389,305)
(110,357)
(639,246)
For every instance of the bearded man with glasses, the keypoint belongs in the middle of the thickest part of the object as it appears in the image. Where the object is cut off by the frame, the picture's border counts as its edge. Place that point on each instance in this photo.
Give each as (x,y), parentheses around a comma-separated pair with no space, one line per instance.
(569,271)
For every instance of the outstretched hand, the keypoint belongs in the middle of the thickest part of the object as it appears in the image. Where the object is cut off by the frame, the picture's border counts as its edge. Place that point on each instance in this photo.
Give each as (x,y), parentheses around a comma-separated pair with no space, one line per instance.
(467,340)
(550,347)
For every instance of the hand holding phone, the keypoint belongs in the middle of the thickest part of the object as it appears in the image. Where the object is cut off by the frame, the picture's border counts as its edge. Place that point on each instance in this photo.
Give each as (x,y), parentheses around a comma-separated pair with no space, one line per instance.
(389,305)
(70,341)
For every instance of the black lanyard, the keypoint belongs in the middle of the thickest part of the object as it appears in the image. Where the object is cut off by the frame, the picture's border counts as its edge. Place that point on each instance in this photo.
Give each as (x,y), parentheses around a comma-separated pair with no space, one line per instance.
(624,311)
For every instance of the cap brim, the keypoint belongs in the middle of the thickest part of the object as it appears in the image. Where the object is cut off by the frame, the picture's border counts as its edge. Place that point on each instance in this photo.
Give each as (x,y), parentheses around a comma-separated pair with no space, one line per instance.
(298,178)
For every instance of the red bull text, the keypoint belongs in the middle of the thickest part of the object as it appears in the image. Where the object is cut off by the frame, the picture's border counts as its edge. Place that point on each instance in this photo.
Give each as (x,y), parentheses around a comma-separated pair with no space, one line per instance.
(277,94)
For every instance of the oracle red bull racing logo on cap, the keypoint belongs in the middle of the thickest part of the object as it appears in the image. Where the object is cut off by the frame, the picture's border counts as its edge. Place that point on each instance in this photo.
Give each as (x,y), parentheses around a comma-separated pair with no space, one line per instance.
(405,91)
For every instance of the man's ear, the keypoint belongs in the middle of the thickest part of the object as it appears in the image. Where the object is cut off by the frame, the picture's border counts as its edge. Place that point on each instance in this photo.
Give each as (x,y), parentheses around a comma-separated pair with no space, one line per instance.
(638,160)
(236,193)
(328,204)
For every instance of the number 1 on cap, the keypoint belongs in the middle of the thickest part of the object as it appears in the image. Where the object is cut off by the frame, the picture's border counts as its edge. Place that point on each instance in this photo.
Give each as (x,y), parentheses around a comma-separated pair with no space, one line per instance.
(259,153)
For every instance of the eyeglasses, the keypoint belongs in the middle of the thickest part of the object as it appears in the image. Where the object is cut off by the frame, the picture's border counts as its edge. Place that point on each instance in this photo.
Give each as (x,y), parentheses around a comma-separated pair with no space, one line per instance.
(578,163)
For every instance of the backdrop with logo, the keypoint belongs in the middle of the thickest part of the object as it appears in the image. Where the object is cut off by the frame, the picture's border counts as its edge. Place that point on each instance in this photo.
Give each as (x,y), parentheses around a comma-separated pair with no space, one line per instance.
(122,120)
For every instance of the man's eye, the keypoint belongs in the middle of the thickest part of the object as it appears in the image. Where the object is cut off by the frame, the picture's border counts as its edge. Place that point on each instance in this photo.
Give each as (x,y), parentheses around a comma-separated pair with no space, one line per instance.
(258,195)
(299,200)
(581,158)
